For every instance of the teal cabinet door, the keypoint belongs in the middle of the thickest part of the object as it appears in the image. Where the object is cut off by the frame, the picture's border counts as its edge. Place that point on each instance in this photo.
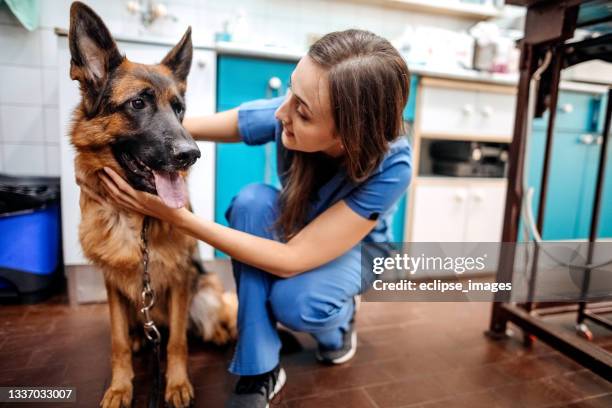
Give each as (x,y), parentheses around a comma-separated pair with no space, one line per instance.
(576,111)
(399,218)
(565,204)
(605,215)
(240,80)
(573,172)
(410,110)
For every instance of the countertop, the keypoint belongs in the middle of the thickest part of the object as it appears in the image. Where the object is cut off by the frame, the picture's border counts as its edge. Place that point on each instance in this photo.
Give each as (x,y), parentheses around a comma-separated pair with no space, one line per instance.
(294,54)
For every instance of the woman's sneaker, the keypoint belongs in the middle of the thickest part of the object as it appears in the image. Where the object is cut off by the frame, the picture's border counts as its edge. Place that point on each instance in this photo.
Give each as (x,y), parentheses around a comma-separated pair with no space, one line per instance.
(349,342)
(256,391)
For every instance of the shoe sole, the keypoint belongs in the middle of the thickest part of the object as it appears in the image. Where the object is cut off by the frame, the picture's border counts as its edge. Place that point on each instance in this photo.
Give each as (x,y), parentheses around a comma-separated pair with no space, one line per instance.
(349,355)
(280,383)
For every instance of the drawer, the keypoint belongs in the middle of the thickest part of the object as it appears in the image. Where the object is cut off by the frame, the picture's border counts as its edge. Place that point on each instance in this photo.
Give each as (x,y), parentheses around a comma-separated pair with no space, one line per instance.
(467,113)
(495,114)
(446,111)
(575,111)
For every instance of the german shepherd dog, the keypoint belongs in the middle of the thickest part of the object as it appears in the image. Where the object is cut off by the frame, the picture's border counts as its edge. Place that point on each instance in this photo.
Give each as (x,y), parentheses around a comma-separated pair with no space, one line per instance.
(130,119)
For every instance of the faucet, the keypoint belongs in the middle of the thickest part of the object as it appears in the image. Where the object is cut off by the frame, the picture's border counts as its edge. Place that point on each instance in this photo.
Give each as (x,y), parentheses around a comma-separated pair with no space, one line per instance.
(149,11)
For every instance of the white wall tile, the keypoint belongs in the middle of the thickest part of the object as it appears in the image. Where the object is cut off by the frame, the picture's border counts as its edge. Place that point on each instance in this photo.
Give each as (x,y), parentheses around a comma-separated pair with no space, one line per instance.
(22,124)
(53,160)
(52,128)
(50,85)
(19,46)
(48,41)
(55,13)
(20,85)
(24,159)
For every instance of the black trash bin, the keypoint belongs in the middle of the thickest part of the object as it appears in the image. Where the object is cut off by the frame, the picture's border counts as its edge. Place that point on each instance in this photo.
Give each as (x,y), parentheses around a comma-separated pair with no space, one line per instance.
(30,238)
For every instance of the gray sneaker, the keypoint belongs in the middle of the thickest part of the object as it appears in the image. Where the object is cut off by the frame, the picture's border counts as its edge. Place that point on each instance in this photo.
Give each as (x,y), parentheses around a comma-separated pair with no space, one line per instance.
(344,353)
(256,391)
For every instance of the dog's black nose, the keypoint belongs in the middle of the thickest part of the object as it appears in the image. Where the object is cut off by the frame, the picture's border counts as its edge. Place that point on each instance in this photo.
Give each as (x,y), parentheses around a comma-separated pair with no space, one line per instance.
(185,154)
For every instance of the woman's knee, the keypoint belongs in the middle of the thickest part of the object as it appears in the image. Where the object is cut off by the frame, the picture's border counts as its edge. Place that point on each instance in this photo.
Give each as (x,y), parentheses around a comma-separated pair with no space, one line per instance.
(305,311)
(253,206)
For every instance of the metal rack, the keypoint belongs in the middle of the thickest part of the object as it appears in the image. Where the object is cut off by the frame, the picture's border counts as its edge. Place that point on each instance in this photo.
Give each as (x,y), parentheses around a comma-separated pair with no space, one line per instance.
(549,28)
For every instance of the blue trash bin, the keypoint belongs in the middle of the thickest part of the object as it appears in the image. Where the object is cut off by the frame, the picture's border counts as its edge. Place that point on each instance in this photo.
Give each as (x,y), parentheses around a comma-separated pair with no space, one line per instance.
(30,237)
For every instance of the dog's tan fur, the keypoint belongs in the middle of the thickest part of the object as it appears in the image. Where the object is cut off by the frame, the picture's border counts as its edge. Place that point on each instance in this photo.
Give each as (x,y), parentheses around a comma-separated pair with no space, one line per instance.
(110,238)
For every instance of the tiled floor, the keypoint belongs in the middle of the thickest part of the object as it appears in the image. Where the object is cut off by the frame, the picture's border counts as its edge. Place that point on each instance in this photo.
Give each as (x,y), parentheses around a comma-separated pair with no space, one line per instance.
(410,354)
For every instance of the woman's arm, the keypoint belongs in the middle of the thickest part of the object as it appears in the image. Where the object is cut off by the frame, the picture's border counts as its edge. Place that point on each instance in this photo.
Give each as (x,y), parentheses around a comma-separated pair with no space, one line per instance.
(219,127)
(328,236)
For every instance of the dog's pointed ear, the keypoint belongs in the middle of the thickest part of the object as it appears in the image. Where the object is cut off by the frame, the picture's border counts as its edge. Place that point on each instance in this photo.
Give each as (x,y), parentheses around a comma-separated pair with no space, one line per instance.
(92,48)
(179,57)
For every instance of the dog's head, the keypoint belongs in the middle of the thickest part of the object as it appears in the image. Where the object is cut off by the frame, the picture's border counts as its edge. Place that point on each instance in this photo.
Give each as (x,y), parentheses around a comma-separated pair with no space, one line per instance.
(130,116)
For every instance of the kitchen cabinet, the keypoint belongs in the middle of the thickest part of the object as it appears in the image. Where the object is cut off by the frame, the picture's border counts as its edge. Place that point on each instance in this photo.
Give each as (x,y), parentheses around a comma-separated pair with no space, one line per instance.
(576,111)
(450,111)
(458,210)
(573,170)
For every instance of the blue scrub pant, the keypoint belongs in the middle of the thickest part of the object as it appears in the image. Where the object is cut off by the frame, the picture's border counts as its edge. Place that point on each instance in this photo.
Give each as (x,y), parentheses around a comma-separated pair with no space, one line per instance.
(319,301)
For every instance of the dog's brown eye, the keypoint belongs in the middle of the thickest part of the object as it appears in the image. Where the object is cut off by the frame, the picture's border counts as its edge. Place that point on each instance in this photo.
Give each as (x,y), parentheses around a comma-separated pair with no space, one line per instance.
(138,103)
(178,108)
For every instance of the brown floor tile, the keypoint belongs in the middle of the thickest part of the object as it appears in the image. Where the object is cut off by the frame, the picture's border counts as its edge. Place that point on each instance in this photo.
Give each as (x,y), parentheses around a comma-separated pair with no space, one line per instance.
(355,398)
(533,368)
(332,379)
(485,399)
(604,401)
(415,364)
(404,393)
(459,381)
(541,393)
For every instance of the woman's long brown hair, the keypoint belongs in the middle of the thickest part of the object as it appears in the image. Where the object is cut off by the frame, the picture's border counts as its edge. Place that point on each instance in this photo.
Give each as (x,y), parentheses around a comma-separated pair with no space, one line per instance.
(369,83)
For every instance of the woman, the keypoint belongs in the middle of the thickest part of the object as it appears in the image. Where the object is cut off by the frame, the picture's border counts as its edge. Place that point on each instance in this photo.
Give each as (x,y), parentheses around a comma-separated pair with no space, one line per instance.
(295,252)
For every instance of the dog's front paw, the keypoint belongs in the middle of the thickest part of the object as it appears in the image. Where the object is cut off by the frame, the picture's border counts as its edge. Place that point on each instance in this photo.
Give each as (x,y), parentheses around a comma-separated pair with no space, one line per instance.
(117,396)
(179,393)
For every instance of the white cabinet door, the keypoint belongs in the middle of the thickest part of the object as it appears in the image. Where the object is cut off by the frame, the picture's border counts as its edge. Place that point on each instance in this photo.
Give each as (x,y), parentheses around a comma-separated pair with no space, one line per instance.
(485,212)
(200,100)
(447,111)
(439,213)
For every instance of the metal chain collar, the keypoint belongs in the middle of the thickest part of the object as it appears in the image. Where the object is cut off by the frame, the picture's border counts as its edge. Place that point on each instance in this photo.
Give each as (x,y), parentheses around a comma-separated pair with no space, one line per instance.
(148,294)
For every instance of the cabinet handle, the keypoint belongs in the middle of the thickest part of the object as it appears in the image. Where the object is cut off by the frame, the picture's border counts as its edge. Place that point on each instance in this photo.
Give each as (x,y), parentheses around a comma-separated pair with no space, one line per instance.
(478,197)
(201,64)
(586,139)
(566,108)
(467,109)
(599,140)
(274,88)
(487,111)
(275,83)
(459,197)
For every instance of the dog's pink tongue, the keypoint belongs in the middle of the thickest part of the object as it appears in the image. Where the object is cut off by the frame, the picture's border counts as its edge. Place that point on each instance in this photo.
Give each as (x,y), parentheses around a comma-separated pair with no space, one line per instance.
(170,187)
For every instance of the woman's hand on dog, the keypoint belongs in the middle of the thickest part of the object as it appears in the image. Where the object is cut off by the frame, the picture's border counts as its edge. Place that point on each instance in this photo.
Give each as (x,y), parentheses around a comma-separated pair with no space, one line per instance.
(124,196)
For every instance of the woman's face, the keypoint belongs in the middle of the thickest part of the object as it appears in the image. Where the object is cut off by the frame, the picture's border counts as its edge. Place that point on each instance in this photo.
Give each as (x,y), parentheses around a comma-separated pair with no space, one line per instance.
(308,125)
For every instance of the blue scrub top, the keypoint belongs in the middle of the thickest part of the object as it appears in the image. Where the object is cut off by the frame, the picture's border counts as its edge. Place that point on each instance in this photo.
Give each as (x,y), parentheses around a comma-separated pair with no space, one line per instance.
(373,198)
